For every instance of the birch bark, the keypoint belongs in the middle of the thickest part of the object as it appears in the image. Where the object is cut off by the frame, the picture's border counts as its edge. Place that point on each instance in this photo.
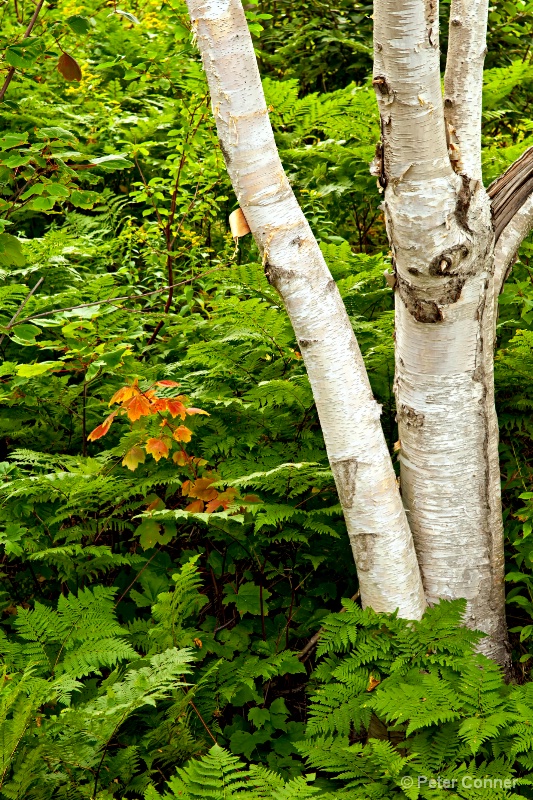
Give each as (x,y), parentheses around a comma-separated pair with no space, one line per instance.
(439,225)
(350,418)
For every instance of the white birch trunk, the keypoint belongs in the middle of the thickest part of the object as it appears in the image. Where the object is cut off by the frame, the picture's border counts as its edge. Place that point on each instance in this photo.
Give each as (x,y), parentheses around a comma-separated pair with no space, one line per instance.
(350,418)
(440,231)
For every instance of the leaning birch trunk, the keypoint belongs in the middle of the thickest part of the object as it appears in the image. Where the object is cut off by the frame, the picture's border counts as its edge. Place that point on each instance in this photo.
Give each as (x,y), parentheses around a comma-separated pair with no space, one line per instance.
(440,231)
(387,568)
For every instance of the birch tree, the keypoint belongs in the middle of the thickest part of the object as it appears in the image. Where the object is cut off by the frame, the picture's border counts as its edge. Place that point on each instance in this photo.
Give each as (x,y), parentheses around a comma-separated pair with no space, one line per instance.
(438,533)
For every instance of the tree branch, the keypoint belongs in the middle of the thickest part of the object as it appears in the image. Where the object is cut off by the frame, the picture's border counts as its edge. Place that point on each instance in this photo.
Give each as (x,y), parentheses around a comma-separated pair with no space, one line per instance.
(27,32)
(512,214)
(383,548)
(506,251)
(463,83)
(408,88)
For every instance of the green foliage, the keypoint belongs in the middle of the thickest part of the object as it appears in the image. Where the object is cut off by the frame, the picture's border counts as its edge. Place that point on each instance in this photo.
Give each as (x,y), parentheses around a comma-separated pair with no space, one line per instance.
(141,624)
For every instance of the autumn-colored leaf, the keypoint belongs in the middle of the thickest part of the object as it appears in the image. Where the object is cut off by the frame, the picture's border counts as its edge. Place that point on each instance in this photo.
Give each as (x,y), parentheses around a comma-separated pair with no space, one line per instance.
(251,498)
(157,447)
(125,393)
(196,507)
(102,429)
(182,434)
(176,408)
(166,383)
(160,404)
(197,411)
(156,505)
(372,683)
(200,488)
(224,499)
(133,458)
(137,407)
(69,67)
(181,458)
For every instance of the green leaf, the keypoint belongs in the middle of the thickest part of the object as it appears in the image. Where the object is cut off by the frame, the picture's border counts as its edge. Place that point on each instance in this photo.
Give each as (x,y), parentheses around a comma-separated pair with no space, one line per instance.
(26,332)
(33,370)
(83,199)
(57,133)
(43,203)
(248,598)
(24,54)
(127,15)
(150,534)
(11,251)
(112,162)
(78,24)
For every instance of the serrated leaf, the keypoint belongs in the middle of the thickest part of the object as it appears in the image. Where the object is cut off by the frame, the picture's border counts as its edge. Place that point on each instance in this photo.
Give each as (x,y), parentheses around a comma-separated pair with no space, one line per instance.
(11,251)
(133,458)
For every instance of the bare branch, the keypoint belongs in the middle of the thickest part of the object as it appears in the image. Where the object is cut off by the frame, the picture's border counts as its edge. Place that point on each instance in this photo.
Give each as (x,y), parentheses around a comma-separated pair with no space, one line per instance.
(463,83)
(27,33)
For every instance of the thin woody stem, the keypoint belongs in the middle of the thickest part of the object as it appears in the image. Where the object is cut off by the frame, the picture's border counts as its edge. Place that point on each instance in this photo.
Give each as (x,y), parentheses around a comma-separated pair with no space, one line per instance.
(9,76)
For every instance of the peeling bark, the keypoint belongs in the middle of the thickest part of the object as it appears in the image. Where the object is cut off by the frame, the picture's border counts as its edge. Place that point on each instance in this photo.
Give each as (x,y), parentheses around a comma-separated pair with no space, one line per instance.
(388,571)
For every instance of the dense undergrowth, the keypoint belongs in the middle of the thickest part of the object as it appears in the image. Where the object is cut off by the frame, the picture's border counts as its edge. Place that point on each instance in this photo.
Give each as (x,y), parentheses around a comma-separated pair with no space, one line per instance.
(170,533)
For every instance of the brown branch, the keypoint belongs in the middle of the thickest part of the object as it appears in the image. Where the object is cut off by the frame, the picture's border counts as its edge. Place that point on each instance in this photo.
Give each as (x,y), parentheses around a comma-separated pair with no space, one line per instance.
(304,654)
(27,32)
(510,191)
(116,300)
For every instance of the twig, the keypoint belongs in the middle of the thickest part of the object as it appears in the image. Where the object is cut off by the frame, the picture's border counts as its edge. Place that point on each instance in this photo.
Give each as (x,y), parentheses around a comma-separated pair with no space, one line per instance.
(14,319)
(136,578)
(27,32)
(304,654)
(115,300)
(203,722)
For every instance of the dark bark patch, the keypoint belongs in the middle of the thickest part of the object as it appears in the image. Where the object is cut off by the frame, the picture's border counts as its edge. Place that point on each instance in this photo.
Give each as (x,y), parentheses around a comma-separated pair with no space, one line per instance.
(421,309)
(345,474)
(410,417)
(275,274)
(225,153)
(430,310)
(381,85)
(307,342)
(448,262)
(464,198)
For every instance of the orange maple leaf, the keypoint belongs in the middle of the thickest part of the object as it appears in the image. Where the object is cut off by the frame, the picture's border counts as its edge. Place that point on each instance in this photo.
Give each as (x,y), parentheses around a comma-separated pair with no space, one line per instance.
(224,499)
(102,429)
(200,488)
(125,393)
(196,507)
(137,407)
(182,434)
(157,447)
(176,407)
(159,404)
